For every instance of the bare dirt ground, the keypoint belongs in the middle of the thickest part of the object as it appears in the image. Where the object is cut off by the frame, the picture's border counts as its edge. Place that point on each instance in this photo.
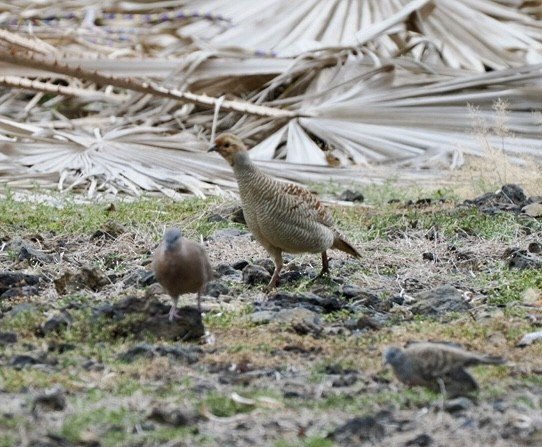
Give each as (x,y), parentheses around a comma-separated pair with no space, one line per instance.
(297,367)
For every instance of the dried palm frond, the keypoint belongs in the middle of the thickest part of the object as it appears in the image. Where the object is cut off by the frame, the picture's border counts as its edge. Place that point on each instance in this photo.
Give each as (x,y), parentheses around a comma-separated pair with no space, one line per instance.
(140,160)
(465,33)
(148,83)
(120,159)
(365,115)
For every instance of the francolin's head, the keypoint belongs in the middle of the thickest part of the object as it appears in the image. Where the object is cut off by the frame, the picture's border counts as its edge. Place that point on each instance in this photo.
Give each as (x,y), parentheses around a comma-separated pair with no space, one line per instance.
(228,145)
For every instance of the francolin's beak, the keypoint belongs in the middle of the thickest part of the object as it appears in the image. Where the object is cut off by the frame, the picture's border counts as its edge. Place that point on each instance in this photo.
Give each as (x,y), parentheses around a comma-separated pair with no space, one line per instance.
(213,148)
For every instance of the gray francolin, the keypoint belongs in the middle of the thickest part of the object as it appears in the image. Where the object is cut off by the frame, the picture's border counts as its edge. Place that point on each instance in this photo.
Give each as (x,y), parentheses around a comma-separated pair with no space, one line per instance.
(181,266)
(437,366)
(283,217)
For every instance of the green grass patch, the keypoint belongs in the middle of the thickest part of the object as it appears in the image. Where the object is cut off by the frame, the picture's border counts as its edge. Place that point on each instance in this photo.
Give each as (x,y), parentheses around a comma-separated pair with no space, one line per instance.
(507,285)
(315,441)
(73,218)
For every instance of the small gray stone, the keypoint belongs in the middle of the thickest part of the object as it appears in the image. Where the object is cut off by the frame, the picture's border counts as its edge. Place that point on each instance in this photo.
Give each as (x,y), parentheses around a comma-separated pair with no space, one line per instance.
(363,322)
(532,210)
(302,320)
(173,417)
(350,291)
(297,314)
(25,250)
(260,317)
(53,399)
(7,338)
(345,380)
(359,430)
(351,196)
(57,322)
(458,404)
(423,440)
(22,360)
(439,301)
(215,217)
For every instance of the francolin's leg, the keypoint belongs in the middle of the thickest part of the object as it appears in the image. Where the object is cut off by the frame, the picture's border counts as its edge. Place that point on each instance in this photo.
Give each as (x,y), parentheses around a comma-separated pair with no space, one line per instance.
(277,260)
(325,264)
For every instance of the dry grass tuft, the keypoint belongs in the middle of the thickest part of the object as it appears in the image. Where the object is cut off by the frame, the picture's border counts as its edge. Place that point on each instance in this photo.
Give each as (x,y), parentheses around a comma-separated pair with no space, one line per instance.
(495,167)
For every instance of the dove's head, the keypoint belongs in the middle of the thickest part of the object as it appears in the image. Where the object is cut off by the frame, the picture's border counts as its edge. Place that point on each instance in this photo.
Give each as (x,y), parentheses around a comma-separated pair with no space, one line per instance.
(392,355)
(172,236)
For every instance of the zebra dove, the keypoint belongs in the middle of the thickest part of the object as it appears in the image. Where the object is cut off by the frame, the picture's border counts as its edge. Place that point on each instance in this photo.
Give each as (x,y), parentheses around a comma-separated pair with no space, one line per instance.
(281,216)
(181,266)
(437,365)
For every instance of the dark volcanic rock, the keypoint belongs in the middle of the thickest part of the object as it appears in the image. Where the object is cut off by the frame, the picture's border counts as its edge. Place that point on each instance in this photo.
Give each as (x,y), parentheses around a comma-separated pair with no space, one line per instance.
(53,399)
(227,270)
(509,198)
(512,193)
(267,264)
(56,440)
(88,277)
(22,360)
(216,288)
(240,265)
(351,196)
(255,274)
(174,417)
(184,354)
(358,430)
(18,284)
(7,338)
(439,301)
(307,300)
(143,317)
(26,251)
(535,247)
(350,291)
(523,259)
(363,322)
(457,404)
(187,326)
(223,213)
(139,278)
(57,322)
(422,440)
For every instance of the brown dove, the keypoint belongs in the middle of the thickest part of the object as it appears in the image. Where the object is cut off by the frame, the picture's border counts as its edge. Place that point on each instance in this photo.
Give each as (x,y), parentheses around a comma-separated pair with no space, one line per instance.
(181,266)
(283,217)
(434,365)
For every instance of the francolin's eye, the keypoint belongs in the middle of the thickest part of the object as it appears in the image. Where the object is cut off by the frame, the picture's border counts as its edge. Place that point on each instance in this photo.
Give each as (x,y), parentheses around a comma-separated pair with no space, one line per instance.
(227,145)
